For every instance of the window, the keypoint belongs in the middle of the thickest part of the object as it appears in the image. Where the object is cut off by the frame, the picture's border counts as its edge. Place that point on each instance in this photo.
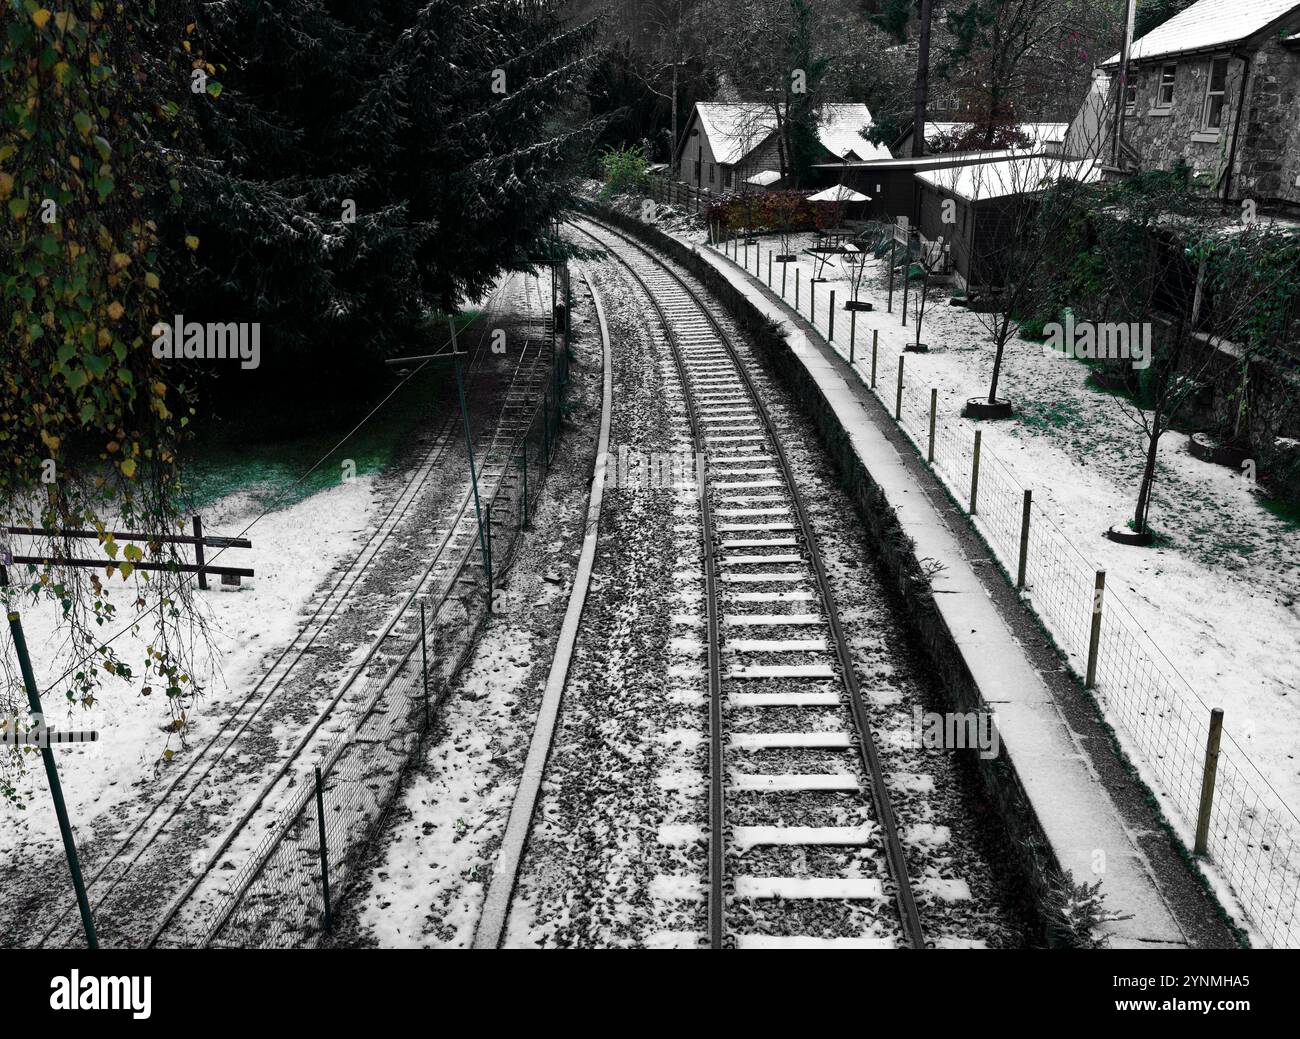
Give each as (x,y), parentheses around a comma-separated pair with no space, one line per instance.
(1214,94)
(1131,99)
(1165,95)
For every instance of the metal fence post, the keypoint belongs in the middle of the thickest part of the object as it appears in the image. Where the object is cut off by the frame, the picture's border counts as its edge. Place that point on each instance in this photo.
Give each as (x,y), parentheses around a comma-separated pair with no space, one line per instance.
(796,290)
(934,408)
(52,777)
(524,522)
(1094,638)
(975,475)
(812,301)
(1024,539)
(487,532)
(785,270)
(324,853)
(875,343)
(424,665)
(830,331)
(546,428)
(1207,781)
(769,268)
(198,553)
(898,401)
(853,335)
(893,244)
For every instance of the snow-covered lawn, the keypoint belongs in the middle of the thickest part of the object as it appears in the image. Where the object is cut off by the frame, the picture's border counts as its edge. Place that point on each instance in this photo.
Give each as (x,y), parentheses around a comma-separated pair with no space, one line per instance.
(294,549)
(1219,597)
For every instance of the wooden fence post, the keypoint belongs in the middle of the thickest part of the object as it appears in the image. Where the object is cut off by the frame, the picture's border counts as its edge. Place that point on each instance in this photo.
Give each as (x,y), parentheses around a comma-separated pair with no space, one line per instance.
(1094,637)
(1024,539)
(853,334)
(1207,781)
(830,333)
(875,343)
(198,553)
(975,475)
(934,407)
(898,401)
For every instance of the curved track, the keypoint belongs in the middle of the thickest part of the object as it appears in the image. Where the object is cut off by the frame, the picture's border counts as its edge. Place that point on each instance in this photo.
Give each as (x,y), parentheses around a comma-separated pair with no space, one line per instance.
(759,548)
(167,812)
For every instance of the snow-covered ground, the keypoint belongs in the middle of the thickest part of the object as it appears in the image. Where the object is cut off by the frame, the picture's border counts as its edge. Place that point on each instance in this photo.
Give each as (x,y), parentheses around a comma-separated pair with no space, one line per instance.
(1220,597)
(294,549)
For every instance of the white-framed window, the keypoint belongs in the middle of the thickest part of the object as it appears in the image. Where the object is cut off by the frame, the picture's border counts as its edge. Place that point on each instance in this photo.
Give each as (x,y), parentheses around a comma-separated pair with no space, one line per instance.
(1165,92)
(1215,94)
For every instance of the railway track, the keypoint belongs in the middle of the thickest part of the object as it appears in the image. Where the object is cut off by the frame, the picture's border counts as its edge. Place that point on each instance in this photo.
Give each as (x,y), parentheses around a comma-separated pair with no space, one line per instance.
(111,881)
(794,772)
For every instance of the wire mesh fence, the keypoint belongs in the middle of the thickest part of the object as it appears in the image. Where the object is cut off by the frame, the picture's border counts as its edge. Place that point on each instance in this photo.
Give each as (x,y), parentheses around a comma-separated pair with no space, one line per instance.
(1161,721)
(277,897)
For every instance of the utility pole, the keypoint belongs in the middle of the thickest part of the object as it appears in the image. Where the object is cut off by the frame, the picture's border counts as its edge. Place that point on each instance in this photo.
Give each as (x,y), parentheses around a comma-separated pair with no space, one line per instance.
(921,96)
(1121,94)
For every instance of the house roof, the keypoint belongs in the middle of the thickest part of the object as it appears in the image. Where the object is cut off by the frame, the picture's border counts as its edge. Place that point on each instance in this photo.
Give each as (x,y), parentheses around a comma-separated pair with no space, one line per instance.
(929,161)
(1039,134)
(1028,174)
(1210,25)
(735,129)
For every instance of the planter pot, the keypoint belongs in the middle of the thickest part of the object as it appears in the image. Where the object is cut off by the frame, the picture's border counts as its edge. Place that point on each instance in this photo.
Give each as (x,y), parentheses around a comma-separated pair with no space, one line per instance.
(1208,450)
(1129,537)
(922,348)
(860,305)
(980,408)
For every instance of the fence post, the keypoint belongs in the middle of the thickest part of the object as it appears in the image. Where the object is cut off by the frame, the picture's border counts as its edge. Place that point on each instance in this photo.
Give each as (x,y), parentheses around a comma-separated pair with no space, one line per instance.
(975,475)
(898,401)
(1024,539)
(198,553)
(424,668)
(1207,781)
(893,244)
(853,334)
(934,407)
(830,332)
(796,290)
(324,853)
(546,428)
(52,777)
(487,536)
(875,342)
(785,269)
(524,523)
(1094,638)
(769,268)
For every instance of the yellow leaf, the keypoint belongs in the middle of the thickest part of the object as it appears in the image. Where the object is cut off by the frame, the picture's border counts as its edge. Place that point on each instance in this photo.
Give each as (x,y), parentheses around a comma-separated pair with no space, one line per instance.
(65,21)
(125,569)
(151,280)
(192,241)
(51,442)
(116,310)
(6,186)
(160,389)
(168,754)
(120,260)
(128,468)
(40,17)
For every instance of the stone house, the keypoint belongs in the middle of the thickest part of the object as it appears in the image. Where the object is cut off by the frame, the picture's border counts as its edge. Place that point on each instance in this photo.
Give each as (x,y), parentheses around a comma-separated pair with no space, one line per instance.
(1217,88)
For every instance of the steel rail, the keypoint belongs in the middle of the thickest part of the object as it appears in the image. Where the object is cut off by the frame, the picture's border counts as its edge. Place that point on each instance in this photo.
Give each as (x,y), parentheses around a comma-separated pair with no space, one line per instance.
(886,819)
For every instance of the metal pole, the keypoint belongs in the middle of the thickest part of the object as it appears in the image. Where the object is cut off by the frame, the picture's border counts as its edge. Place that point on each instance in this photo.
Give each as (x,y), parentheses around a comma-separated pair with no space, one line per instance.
(52,776)
(769,268)
(487,529)
(1094,637)
(469,441)
(1207,781)
(785,270)
(875,343)
(830,334)
(1024,539)
(898,401)
(934,407)
(975,475)
(324,852)
(853,334)
(796,290)
(546,428)
(525,453)
(198,553)
(812,301)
